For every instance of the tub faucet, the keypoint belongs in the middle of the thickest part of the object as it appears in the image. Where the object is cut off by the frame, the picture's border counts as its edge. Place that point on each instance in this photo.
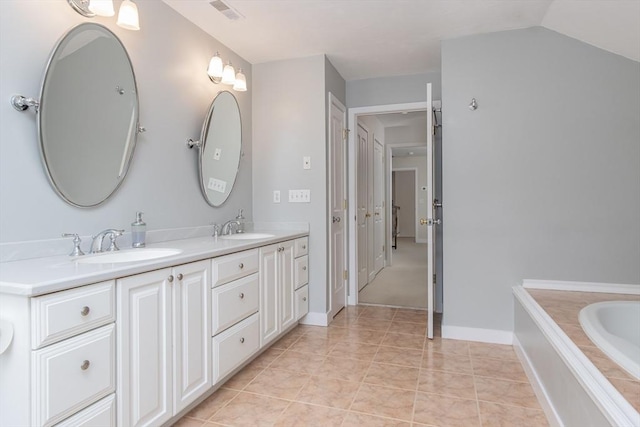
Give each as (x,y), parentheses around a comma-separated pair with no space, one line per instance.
(96,243)
(226,228)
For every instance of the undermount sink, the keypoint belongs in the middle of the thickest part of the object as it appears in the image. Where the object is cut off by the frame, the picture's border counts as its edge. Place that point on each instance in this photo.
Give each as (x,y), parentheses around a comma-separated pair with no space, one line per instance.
(247,236)
(132,255)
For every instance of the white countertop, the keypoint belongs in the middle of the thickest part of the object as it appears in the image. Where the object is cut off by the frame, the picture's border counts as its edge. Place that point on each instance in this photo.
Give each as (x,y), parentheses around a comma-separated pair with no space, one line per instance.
(37,276)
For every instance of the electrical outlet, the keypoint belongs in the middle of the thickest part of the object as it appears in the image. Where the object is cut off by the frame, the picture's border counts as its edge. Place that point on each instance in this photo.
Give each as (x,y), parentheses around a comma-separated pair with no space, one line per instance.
(217,153)
(306,162)
(276,196)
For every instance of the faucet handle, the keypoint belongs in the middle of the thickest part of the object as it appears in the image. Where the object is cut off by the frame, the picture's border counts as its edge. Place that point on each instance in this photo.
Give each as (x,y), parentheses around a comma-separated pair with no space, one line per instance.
(113,235)
(76,244)
(216,230)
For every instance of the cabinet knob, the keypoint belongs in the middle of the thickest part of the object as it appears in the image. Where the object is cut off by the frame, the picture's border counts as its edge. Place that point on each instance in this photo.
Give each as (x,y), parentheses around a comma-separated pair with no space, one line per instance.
(170,278)
(242,340)
(180,276)
(85,310)
(304,298)
(241,266)
(241,295)
(304,268)
(85,365)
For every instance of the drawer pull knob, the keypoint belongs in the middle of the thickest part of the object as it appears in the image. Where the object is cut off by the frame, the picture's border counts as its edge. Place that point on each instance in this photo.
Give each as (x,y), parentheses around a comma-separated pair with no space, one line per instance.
(304,298)
(304,268)
(242,340)
(241,266)
(180,276)
(241,295)
(85,365)
(170,278)
(85,310)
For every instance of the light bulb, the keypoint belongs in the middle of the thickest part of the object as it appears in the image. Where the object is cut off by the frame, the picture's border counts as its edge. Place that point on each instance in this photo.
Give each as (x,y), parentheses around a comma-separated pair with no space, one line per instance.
(241,81)
(128,16)
(102,7)
(215,68)
(229,74)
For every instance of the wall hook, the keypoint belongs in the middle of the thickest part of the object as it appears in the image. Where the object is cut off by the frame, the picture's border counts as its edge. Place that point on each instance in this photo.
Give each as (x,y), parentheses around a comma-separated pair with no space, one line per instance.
(473,105)
(191,143)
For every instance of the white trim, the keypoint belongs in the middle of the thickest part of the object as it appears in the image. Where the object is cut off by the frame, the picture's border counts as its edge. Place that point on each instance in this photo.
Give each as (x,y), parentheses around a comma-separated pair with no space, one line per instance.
(536,384)
(421,241)
(494,336)
(353,113)
(558,285)
(612,404)
(315,319)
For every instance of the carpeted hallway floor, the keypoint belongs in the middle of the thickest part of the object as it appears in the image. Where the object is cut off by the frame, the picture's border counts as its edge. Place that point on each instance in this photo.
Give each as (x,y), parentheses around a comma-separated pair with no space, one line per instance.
(403,284)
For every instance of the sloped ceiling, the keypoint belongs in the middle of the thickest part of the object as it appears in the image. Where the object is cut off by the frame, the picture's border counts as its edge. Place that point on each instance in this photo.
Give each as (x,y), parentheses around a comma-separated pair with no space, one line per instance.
(375,38)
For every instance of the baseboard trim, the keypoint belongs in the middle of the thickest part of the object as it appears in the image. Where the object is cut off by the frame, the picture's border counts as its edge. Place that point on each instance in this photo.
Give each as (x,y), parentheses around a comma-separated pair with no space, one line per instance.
(315,319)
(559,285)
(494,336)
(421,241)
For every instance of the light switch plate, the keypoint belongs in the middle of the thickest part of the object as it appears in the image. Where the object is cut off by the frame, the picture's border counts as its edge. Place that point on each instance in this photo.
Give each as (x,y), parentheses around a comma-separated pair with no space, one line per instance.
(299,196)
(217,153)
(276,196)
(306,162)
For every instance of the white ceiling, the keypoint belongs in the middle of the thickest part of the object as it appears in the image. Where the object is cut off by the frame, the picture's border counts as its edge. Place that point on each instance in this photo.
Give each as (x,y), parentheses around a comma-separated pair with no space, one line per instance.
(375,38)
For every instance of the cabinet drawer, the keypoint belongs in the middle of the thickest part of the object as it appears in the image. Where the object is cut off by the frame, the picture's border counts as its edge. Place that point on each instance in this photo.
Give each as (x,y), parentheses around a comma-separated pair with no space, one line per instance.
(301,247)
(100,414)
(302,302)
(301,271)
(65,314)
(234,301)
(230,267)
(234,346)
(72,374)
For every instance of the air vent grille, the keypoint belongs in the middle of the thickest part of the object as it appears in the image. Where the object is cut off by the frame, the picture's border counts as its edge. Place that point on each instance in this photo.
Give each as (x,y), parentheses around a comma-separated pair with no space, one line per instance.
(226,10)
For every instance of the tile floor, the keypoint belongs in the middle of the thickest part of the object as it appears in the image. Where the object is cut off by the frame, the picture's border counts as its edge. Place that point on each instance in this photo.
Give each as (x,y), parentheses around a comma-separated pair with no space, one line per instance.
(373,367)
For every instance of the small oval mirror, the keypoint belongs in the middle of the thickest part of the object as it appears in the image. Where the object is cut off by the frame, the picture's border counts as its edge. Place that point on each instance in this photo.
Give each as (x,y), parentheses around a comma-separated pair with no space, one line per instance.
(221,148)
(88,118)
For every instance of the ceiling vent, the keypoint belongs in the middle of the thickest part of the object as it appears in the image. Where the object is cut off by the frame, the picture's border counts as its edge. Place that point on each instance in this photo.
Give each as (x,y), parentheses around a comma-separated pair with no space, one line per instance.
(226,10)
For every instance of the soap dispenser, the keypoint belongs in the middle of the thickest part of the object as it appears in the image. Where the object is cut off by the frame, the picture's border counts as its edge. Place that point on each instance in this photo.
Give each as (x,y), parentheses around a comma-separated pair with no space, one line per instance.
(240,220)
(138,231)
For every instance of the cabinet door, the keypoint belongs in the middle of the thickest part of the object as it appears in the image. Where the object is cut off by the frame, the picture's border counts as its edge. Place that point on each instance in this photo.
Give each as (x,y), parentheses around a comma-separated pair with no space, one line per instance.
(144,383)
(191,333)
(286,285)
(268,293)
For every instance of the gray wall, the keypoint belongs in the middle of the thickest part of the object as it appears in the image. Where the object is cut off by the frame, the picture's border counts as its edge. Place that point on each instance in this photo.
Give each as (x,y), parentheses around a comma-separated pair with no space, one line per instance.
(290,123)
(392,90)
(542,181)
(170,57)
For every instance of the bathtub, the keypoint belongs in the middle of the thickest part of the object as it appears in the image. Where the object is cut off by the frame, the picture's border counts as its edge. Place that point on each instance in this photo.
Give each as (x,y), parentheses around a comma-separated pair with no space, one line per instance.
(614,326)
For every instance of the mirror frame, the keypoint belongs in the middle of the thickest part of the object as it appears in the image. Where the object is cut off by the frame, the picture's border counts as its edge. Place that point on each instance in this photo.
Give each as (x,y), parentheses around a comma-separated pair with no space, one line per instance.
(203,139)
(43,106)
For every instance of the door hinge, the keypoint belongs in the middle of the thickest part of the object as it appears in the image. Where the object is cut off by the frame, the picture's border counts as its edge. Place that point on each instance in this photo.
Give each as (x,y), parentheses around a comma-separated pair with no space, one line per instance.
(382,248)
(345,133)
(434,278)
(344,204)
(345,275)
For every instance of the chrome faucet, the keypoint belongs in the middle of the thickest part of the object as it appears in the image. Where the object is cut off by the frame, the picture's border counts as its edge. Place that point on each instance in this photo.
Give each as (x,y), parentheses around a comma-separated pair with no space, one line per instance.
(96,243)
(226,228)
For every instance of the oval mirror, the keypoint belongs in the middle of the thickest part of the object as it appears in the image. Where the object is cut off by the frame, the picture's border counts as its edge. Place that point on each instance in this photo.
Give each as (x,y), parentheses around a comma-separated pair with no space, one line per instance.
(88,117)
(221,148)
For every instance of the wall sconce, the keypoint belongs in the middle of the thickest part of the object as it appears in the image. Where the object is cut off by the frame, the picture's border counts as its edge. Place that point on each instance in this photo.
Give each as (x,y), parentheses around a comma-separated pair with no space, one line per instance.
(226,74)
(127,15)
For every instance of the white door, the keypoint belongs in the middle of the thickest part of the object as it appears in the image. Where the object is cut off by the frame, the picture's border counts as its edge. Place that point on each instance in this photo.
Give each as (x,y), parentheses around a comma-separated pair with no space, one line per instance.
(191,333)
(431,244)
(337,185)
(362,169)
(378,206)
(144,349)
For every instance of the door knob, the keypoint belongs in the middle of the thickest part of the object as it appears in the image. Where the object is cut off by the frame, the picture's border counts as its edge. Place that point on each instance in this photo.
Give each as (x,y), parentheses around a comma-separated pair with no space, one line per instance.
(335,219)
(430,221)
(367,215)
(423,221)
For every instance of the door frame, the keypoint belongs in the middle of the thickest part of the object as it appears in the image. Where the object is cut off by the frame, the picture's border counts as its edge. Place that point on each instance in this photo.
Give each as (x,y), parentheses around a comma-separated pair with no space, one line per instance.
(353,114)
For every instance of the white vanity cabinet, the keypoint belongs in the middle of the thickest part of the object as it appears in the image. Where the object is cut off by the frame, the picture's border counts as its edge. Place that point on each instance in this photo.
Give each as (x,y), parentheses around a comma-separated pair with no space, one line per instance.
(163,342)
(301,279)
(276,290)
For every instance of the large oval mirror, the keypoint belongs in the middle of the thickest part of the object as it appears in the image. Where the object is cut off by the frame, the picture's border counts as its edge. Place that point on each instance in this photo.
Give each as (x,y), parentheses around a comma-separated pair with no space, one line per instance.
(221,148)
(88,118)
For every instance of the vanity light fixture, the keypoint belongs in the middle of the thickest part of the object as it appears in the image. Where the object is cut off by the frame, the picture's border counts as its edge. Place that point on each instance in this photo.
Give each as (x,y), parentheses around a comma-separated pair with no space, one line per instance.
(226,74)
(127,15)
